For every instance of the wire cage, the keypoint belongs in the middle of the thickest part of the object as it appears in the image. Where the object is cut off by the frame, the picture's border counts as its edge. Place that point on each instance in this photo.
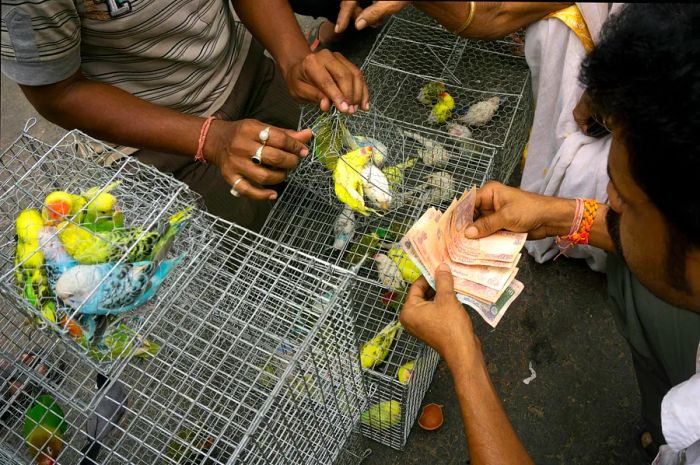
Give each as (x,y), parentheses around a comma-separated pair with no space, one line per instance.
(93,282)
(415,161)
(410,56)
(306,223)
(257,364)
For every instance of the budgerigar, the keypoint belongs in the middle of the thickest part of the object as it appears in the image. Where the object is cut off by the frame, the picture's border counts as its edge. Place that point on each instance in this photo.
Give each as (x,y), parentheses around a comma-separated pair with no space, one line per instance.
(330,138)
(395,174)
(376,186)
(409,271)
(344,228)
(380,150)
(102,212)
(129,285)
(347,176)
(442,110)
(108,413)
(121,341)
(405,372)
(458,130)
(44,428)
(60,206)
(383,415)
(431,152)
(91,248)
(374,351)
(439,187)
(57,261)
(429,92)
(388,271)
(30,273)
(481,113)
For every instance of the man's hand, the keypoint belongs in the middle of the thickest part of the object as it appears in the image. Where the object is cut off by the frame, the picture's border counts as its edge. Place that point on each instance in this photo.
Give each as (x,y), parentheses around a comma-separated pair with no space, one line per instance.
(231,144)
(439,320)
(374,14)
(502,207)
(328,78)
(349,11)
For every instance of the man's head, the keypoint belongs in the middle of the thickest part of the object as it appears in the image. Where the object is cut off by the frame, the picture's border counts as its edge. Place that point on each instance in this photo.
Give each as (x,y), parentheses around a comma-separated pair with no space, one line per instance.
(643,79)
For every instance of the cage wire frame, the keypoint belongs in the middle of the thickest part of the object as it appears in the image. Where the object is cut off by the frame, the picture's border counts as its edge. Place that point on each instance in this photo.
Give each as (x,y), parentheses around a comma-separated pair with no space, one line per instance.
(306,223)
(407,55)
(257,353)
(463,163)
(76,163)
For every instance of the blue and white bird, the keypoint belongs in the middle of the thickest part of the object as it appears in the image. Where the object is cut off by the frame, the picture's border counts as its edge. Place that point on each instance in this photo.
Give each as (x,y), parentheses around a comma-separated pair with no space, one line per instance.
(127,287)
(56,260)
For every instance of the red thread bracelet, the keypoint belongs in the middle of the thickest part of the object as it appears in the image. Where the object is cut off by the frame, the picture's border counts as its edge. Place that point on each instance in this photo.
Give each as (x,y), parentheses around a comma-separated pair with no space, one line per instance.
(199,156)
(580,231)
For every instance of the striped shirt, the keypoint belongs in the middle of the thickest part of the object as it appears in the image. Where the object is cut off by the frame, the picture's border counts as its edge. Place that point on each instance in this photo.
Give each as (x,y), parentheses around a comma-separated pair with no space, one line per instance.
(182,54)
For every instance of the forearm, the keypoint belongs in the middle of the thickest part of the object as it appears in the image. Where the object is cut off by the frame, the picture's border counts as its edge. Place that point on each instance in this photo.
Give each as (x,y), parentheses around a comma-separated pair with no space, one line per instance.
(490,436)
(559,213)
(272,22)
(492,20)
(109,113)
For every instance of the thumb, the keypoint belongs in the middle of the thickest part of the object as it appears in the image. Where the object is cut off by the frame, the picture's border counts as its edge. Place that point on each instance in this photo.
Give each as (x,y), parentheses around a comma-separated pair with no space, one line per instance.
(344,16)
(373,14)
(486,225)
(444,282)
(303,136)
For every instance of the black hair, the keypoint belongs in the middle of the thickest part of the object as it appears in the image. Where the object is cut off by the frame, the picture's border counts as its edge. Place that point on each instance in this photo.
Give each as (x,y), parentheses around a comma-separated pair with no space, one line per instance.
(644,75)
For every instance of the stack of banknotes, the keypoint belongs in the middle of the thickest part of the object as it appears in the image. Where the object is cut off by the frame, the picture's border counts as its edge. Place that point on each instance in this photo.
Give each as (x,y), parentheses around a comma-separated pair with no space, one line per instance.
(484,269)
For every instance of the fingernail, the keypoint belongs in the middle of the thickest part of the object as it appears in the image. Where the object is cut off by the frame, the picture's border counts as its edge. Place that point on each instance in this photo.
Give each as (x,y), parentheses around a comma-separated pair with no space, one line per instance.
(360,25)
(304,152)
(367,106)
(445,267)
(273,197)
(472,231)
(337,28)
(343,106)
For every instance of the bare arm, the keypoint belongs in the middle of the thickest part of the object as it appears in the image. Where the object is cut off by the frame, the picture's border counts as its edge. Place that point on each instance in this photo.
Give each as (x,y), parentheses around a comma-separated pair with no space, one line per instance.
(492,20)
(444,325)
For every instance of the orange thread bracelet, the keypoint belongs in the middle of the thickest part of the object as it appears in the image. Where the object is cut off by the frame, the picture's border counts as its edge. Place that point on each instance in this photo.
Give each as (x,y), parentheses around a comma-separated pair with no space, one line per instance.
(580,232)
(199,156)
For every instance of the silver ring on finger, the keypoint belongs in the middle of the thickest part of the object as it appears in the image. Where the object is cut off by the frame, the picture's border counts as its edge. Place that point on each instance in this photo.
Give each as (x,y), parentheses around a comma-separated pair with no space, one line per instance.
(257,156)
(233,190)
(264,135)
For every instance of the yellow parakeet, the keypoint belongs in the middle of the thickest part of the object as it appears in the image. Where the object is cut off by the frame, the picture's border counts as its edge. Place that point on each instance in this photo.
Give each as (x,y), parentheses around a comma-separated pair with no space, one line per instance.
(405,372)
(348,180)
(394,174)
(409,271)
(383,415)
(442,110)
(102,213)
(429,92)
(60,206)
(374,351)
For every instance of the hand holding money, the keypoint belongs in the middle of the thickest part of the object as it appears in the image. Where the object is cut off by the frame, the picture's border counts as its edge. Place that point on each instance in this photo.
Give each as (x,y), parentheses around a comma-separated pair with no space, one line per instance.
(484,269)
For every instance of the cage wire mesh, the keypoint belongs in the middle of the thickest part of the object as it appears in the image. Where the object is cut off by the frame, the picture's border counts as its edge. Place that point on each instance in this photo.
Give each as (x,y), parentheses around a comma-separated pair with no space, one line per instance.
(31,247)
(256,358)
(408,57)
(307,223)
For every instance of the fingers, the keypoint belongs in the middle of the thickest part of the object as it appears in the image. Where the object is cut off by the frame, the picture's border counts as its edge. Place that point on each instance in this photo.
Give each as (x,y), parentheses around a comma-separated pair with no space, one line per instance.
(361,92)
(444,282)
(375,13)
(279,159)
(418,292)
(282,140)
(303,136)
(487,225)
(246,189)
(347,9)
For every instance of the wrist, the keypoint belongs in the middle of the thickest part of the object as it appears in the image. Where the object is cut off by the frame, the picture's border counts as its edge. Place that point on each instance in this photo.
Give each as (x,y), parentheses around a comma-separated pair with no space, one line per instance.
(558,216)
(465,357)
(213,144)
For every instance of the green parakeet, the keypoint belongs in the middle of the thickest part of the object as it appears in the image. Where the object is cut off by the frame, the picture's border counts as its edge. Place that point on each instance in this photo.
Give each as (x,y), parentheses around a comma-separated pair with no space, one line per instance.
(383,415)
(442,110)
(30,274)
(429,93)
(374,351)
(405,372)
(102,213)
(92,248)
(190,446)
(44,427)
(409,271)
(348,179)
(370,243)
(330,138)
(121,341)
(395,174)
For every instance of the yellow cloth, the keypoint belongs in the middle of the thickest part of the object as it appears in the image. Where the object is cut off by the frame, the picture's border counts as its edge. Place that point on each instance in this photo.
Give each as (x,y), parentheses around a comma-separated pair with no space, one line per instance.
(572,17)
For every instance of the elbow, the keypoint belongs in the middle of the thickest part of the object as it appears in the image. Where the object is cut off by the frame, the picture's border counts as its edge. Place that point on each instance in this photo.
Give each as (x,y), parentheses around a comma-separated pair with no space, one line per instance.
(53,102)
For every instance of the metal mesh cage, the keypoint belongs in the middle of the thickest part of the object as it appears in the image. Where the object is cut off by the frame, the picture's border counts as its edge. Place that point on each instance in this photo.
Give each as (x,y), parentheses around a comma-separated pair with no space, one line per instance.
(306,223)
(147,198)
(256,362)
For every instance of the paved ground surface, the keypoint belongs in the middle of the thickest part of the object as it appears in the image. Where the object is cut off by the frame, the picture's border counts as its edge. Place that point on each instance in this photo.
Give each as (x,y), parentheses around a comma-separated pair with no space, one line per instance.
(583,406)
